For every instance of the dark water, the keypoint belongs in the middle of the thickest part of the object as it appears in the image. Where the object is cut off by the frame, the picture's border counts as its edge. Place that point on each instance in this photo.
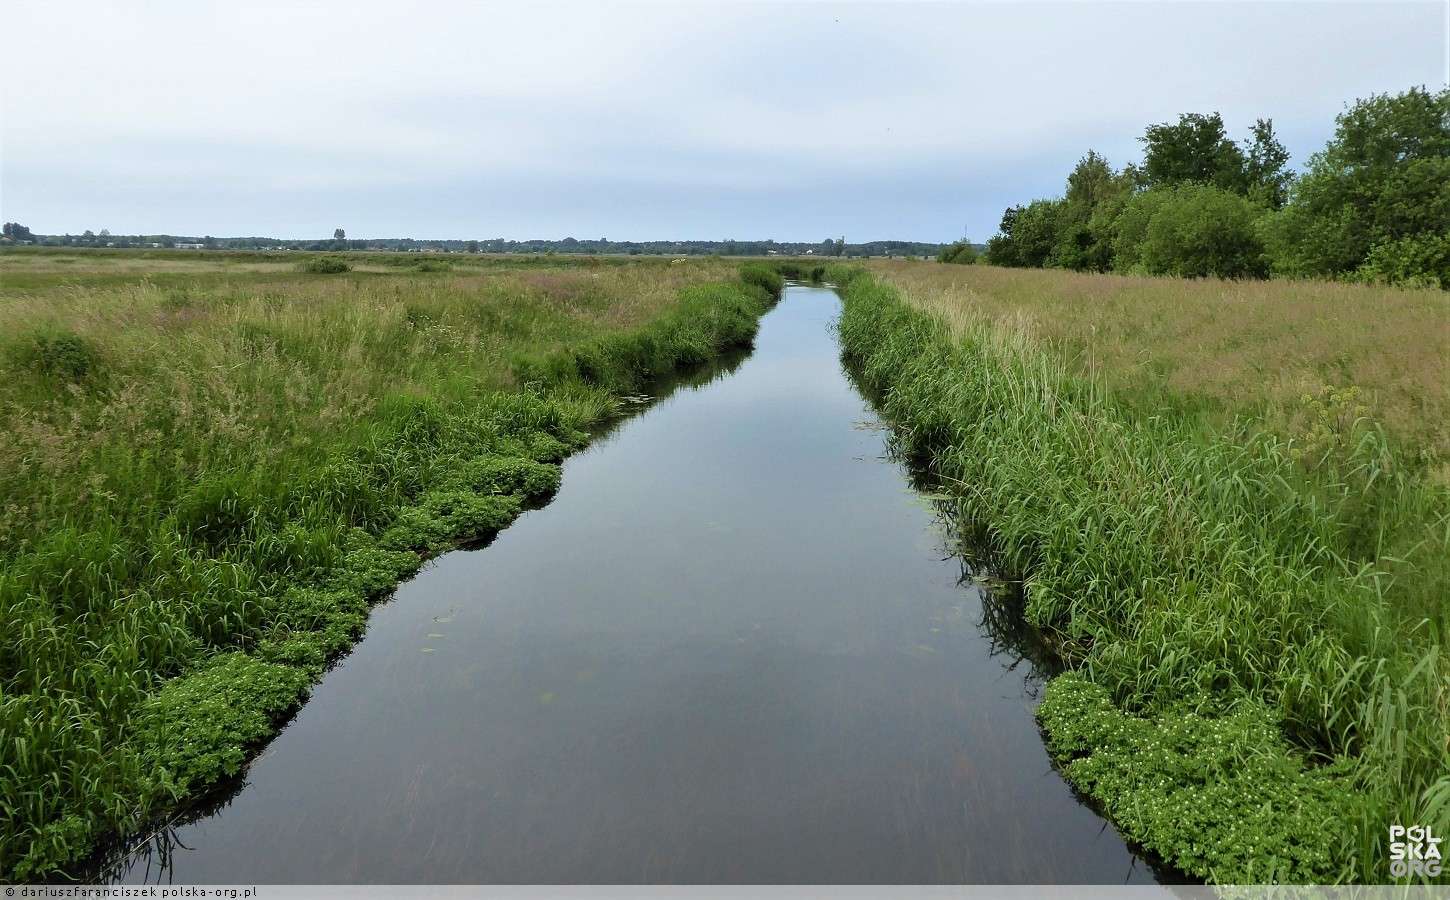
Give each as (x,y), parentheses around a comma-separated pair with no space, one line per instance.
(734,649)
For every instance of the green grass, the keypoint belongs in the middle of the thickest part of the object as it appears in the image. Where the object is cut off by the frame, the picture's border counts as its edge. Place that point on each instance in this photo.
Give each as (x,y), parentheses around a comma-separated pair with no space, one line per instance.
(1241,667)
(207,475)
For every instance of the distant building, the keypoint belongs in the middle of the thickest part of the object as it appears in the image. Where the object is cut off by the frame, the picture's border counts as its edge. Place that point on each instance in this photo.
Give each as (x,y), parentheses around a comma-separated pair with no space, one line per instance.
(186,246)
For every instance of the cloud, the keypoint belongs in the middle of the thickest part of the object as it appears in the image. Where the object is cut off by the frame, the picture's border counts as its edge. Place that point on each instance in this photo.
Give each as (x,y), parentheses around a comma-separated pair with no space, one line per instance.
(642,121)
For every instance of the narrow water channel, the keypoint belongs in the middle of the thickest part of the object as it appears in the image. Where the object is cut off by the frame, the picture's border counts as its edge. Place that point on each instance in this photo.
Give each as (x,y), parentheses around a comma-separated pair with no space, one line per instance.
(733,649)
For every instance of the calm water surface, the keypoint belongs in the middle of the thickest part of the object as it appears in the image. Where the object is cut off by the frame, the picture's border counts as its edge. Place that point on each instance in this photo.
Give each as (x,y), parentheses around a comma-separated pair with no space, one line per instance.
(735,648)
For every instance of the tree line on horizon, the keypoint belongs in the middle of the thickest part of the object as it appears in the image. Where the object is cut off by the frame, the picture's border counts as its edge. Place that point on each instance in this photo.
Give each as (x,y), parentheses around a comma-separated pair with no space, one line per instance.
(1373,205)
(339,242)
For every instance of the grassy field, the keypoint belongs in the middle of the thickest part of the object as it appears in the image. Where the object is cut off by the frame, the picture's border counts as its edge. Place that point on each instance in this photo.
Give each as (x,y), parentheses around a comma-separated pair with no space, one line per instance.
(1229,509)
(210,463)
(1243,347)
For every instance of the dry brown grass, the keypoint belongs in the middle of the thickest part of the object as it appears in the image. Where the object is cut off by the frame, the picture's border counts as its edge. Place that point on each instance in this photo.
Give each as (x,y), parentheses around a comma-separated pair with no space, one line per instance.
(1250,347)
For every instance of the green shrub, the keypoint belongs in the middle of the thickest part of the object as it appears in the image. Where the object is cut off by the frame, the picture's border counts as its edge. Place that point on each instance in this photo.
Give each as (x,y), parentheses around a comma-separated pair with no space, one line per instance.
(61,356)
(324,265)
(1193,230)
(961,253)
(1419,261)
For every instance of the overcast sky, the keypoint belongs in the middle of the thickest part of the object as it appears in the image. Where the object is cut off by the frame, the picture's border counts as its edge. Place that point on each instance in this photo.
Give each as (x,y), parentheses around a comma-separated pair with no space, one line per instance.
(700,120)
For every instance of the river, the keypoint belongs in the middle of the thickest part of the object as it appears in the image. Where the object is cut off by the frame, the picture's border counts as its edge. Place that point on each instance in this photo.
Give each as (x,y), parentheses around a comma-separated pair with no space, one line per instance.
(737,647)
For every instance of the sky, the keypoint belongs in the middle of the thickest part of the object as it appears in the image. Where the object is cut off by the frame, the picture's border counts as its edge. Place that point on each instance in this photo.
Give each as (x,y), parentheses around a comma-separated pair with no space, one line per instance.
(656,121)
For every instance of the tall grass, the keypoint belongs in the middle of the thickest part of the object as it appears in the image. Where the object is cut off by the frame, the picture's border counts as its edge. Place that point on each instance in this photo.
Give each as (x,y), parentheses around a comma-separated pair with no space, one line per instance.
(206,475)
(1233,348)
(1242,669)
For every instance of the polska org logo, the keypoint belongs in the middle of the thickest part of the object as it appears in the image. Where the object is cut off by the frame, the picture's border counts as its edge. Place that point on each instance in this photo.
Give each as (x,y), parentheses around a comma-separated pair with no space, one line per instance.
(1414,851)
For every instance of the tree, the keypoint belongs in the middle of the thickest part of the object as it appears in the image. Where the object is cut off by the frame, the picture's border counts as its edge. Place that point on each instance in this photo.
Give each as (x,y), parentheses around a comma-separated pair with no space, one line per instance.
(1381,187)
(1094,196)
(1132,228)
(1194,231)
(1266,173)
(339,235)
(1195,149)
(17,232)
(1028,234)
(961,252)
(1091,181)
(1001,248)
(472,246)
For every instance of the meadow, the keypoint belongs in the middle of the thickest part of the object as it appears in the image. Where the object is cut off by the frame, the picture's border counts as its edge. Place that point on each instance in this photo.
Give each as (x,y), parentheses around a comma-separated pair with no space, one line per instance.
(212,463)
(1227,507)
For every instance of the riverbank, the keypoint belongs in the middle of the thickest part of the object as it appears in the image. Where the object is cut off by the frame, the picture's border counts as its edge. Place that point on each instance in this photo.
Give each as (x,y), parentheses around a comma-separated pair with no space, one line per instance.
(1252,694)
(208,475)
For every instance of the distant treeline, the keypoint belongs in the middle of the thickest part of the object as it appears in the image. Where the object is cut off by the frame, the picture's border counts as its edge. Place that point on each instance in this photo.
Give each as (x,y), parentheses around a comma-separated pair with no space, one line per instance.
(829,247)
(1373,205)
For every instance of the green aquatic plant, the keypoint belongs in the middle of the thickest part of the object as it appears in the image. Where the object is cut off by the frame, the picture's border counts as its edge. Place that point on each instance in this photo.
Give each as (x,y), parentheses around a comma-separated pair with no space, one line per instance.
(1221,797)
